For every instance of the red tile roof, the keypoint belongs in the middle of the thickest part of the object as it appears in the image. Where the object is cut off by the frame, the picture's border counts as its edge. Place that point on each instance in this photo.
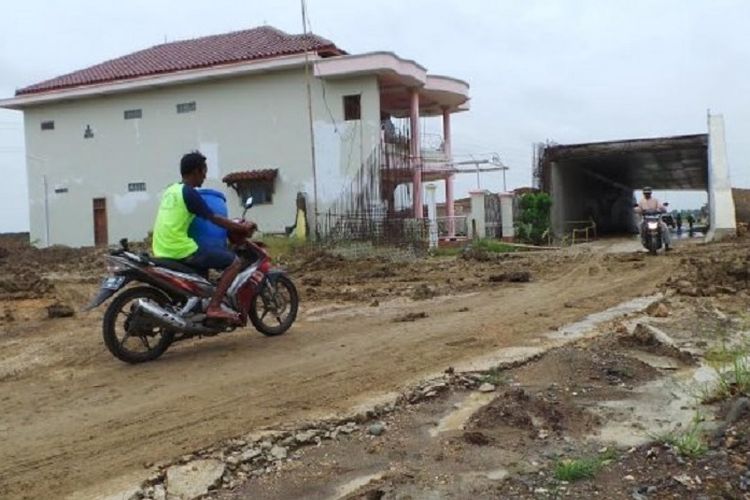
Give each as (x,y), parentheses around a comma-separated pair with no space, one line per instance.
(267,174)
(258,43)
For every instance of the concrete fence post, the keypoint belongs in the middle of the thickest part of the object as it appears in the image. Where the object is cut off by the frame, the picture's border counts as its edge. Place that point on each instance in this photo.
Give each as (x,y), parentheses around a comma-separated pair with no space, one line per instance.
(432,215)
(506,216)
(477,213)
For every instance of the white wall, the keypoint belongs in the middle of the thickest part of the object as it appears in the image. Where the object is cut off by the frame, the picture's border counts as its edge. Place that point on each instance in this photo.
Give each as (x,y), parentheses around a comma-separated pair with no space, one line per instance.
(244,123)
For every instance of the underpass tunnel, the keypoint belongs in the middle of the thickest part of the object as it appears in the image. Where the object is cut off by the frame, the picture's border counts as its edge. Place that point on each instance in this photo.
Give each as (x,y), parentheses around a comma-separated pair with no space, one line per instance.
(597,181)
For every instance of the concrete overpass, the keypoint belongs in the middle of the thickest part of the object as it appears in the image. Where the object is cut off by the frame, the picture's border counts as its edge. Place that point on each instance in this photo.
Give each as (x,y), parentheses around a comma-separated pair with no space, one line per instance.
(597,180)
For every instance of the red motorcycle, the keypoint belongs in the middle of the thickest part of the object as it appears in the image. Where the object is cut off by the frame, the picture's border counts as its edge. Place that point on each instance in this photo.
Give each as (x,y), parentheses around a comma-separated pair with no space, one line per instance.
(170,302)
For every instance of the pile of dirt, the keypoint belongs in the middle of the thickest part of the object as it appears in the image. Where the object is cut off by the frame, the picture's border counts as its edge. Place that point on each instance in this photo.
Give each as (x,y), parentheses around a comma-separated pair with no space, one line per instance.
(538,416)
(27,272)
(325,276)
(584,367)
(714,273)
(24,283)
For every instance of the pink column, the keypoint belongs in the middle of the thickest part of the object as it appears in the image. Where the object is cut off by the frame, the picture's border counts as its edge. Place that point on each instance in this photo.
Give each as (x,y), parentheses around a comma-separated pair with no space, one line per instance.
(447,150)
(416,148)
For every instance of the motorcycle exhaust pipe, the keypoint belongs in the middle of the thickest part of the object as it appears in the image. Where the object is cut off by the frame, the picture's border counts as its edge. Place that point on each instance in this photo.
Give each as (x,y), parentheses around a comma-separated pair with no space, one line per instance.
(161,315)
(171,320)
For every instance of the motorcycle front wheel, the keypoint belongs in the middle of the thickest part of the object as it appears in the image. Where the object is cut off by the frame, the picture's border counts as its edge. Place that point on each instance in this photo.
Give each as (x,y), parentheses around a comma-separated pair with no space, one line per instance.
(131,336)
(274,308)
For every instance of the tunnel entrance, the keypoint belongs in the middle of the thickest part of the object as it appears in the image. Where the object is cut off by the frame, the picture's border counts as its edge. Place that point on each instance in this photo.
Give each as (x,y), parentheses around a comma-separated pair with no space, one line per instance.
(596,181)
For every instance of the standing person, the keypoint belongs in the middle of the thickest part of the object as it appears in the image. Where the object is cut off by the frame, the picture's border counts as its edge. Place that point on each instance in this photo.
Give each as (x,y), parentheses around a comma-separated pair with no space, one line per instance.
(650,204)
(678,221)
(180,204)
(690,221)
(667,217)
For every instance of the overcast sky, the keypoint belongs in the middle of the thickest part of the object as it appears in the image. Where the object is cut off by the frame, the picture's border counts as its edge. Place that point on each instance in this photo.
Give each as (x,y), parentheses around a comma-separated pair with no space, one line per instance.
(568,71)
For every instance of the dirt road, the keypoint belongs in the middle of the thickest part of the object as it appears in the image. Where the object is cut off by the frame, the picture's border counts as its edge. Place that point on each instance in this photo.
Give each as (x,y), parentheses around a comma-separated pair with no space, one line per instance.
(73,417)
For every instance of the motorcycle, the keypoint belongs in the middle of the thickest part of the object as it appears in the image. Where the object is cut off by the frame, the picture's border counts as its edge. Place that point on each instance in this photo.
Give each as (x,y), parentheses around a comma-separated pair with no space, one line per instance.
(169,305)
(651,231)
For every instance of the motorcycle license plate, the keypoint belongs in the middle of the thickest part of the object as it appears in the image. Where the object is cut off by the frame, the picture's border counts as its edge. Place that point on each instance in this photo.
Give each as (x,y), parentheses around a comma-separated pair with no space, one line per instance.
(113,282)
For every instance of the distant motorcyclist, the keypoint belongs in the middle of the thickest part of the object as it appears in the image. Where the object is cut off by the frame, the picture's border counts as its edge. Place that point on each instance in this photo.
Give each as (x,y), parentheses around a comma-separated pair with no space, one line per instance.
(650,204)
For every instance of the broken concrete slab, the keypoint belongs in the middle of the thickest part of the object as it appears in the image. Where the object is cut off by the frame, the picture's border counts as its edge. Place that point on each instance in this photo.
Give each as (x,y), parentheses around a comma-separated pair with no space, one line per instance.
(185,482)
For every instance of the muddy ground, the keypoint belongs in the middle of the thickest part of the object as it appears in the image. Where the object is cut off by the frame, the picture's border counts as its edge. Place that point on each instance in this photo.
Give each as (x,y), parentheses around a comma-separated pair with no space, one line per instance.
(77,421)
(611,399)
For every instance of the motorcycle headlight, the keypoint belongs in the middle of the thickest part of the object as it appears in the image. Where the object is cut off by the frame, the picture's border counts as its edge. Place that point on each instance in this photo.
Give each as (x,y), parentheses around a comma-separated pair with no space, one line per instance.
(653,225)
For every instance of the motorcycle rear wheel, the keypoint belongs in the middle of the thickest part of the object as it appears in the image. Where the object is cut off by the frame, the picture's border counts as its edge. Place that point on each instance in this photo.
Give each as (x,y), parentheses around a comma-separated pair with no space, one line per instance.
(155,339)
(278,301)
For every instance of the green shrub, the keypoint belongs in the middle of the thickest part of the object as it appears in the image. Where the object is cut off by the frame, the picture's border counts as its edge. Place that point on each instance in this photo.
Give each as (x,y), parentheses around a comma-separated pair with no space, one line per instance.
(534,220)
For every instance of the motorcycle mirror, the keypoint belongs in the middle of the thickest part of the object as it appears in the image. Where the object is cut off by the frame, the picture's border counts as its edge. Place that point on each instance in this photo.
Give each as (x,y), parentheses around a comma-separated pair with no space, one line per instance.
(248,205)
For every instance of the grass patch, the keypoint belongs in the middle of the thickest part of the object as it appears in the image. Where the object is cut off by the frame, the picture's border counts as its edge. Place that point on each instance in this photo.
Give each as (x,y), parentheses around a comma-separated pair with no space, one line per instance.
(282,246)
(689,442)
(494,376)
(574,470)
(582,468)
(724,354)
(735,380)
(733,369)
(494,246)
(479,246)
(447,251)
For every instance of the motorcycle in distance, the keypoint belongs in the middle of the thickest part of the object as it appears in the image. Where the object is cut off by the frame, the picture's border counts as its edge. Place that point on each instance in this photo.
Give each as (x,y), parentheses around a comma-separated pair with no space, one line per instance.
(651,231)
(170,301)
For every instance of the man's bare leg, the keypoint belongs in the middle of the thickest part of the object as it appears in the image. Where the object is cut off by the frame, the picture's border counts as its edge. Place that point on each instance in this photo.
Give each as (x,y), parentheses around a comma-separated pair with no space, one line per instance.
(214,309)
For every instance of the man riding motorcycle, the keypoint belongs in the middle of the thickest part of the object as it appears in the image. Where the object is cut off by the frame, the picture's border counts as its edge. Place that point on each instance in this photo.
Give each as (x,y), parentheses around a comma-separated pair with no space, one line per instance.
(180,204)
(651,204)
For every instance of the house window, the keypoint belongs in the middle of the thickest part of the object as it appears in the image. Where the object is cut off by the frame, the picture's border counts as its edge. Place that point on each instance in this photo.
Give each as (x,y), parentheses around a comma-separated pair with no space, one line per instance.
(61,190)
(133,114)
(136,186)
(88,133)
(352,107)
(186,107)
(48,125)
(262,192)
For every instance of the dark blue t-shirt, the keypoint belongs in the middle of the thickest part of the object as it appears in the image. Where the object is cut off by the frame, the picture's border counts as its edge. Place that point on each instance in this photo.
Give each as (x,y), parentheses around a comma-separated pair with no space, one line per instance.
(195,203)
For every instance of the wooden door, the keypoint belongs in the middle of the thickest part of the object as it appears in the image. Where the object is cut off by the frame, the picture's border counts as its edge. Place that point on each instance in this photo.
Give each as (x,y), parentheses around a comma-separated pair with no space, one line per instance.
(101,237)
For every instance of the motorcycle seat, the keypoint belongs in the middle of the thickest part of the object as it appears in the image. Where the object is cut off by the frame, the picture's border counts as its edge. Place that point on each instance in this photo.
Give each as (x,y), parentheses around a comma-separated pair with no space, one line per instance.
(174,265)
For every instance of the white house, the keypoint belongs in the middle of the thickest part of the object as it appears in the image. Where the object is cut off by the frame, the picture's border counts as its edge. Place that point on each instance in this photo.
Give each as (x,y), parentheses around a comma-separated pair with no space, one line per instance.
(103,142)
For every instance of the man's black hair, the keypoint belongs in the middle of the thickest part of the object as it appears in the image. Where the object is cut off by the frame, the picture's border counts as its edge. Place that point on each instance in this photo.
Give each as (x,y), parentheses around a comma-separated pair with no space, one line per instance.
(192,162)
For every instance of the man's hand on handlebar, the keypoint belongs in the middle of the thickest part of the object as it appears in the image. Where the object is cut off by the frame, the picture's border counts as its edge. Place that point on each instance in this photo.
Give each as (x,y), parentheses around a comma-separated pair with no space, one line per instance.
(246,227)
(239,226)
